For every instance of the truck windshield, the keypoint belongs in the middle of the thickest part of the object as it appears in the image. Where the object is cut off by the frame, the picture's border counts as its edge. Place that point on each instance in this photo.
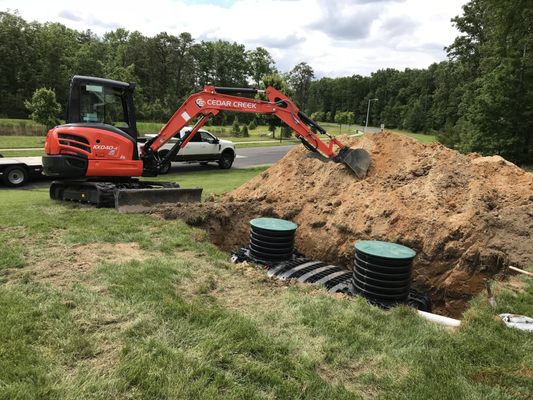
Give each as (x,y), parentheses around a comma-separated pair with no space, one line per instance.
(102,104)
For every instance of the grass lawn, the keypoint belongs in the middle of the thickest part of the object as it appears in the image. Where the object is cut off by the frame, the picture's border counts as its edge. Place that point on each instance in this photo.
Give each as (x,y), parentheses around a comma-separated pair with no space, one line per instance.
(421,137)
(12,126)
(22,153)
(14,142)
(336,129)
(100,305)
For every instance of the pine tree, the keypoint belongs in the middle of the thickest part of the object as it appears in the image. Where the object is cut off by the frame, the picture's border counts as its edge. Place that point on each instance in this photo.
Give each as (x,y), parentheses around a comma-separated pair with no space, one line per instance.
(235,128)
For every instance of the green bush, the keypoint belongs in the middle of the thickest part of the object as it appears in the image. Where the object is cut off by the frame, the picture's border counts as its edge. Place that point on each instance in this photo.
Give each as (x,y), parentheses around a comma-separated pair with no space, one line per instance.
(244,131)
(44,108)
(235,128)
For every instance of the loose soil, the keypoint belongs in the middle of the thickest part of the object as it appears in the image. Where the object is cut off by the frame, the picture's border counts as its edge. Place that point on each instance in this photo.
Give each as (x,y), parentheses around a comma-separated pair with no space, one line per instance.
(466,216)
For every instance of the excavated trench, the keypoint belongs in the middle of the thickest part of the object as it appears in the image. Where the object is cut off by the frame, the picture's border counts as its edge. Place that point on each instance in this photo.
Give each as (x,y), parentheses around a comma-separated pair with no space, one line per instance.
(467,217)
(228,227)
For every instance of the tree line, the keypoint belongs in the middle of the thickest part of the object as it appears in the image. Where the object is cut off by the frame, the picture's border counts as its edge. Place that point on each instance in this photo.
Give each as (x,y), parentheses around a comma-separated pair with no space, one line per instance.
(166,68)
(480,99)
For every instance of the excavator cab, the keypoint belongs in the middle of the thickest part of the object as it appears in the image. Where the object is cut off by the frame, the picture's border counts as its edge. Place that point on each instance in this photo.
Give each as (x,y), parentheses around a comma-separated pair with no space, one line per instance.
(102,101)
(99,138)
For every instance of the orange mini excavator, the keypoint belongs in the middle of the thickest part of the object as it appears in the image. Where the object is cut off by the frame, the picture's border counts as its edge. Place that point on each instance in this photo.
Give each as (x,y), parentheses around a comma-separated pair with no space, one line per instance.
(96,155)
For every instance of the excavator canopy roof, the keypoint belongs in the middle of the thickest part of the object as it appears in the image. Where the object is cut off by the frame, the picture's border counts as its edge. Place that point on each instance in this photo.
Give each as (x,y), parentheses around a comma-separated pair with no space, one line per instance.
(78,79)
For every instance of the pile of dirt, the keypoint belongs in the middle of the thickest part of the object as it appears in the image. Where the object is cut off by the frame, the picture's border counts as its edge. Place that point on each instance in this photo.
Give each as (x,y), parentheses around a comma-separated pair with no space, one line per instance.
(466,216)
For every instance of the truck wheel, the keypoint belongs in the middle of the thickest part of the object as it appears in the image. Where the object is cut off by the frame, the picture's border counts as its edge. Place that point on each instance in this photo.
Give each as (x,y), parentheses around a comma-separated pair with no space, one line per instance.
(165,168)
(226,160)
(15,176)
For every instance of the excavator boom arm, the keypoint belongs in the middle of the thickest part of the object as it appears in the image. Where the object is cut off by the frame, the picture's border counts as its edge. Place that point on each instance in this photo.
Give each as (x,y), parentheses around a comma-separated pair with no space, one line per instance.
(212,100)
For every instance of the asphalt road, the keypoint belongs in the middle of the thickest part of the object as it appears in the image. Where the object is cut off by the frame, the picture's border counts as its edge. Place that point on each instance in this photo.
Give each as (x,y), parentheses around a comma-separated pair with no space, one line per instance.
(246,158)
(253,156)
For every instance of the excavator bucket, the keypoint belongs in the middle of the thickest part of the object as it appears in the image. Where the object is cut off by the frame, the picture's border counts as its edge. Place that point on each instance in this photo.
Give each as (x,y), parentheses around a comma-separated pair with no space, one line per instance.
(142,200)
(358,160)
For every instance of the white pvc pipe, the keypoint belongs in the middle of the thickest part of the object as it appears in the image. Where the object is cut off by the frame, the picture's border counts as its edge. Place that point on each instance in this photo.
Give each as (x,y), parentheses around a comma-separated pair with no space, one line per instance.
(521,271)
(440,319)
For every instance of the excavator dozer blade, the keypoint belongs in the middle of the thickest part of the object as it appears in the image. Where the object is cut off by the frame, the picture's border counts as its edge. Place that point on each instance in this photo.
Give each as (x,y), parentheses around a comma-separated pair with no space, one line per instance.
(142,200)
(358,160)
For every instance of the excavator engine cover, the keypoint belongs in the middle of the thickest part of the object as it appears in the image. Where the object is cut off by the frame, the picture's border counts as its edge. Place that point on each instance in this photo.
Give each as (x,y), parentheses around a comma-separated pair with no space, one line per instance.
(358,160)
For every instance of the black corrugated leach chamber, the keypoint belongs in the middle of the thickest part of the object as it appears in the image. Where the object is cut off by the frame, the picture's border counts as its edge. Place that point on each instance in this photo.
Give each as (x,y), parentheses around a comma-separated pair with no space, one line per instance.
(381,272)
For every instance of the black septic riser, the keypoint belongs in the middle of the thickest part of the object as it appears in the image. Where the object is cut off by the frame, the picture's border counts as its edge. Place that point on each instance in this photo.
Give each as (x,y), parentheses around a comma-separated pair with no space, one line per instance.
(382,271)
(272,239)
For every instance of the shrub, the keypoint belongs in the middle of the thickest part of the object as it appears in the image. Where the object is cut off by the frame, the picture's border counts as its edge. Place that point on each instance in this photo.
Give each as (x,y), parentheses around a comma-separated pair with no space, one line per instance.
(235,128)
(44,107)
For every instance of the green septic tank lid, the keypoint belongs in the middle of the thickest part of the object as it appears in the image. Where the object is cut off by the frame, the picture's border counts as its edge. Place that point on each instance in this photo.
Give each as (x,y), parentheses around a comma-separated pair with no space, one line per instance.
(377,248)
(273,224)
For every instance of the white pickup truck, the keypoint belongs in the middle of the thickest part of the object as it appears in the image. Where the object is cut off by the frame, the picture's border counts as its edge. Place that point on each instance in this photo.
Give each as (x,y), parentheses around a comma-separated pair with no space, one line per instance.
(16,171)
(204,147)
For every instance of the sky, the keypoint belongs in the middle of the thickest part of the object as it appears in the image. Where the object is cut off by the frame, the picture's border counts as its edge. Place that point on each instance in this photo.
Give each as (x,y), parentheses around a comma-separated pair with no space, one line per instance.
(335,37)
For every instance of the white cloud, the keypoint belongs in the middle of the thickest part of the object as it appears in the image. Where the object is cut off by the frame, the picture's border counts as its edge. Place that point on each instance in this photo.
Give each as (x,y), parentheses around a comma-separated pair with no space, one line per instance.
(336,37)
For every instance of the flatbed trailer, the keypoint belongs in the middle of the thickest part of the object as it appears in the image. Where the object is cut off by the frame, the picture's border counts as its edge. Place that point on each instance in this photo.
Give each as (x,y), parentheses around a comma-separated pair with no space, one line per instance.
(17,171)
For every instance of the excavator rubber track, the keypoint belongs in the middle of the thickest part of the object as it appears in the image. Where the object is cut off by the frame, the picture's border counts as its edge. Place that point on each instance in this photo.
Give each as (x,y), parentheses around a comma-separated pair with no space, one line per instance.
(125,196)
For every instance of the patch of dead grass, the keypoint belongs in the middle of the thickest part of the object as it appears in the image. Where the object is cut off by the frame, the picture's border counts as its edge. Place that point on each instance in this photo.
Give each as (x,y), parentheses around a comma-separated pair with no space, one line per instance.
(108,345)
(347,375)
(514,283)
(63,265)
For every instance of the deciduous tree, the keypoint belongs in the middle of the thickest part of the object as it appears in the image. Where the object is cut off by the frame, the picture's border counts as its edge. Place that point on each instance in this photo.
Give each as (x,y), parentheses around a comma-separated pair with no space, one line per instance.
(44,108)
